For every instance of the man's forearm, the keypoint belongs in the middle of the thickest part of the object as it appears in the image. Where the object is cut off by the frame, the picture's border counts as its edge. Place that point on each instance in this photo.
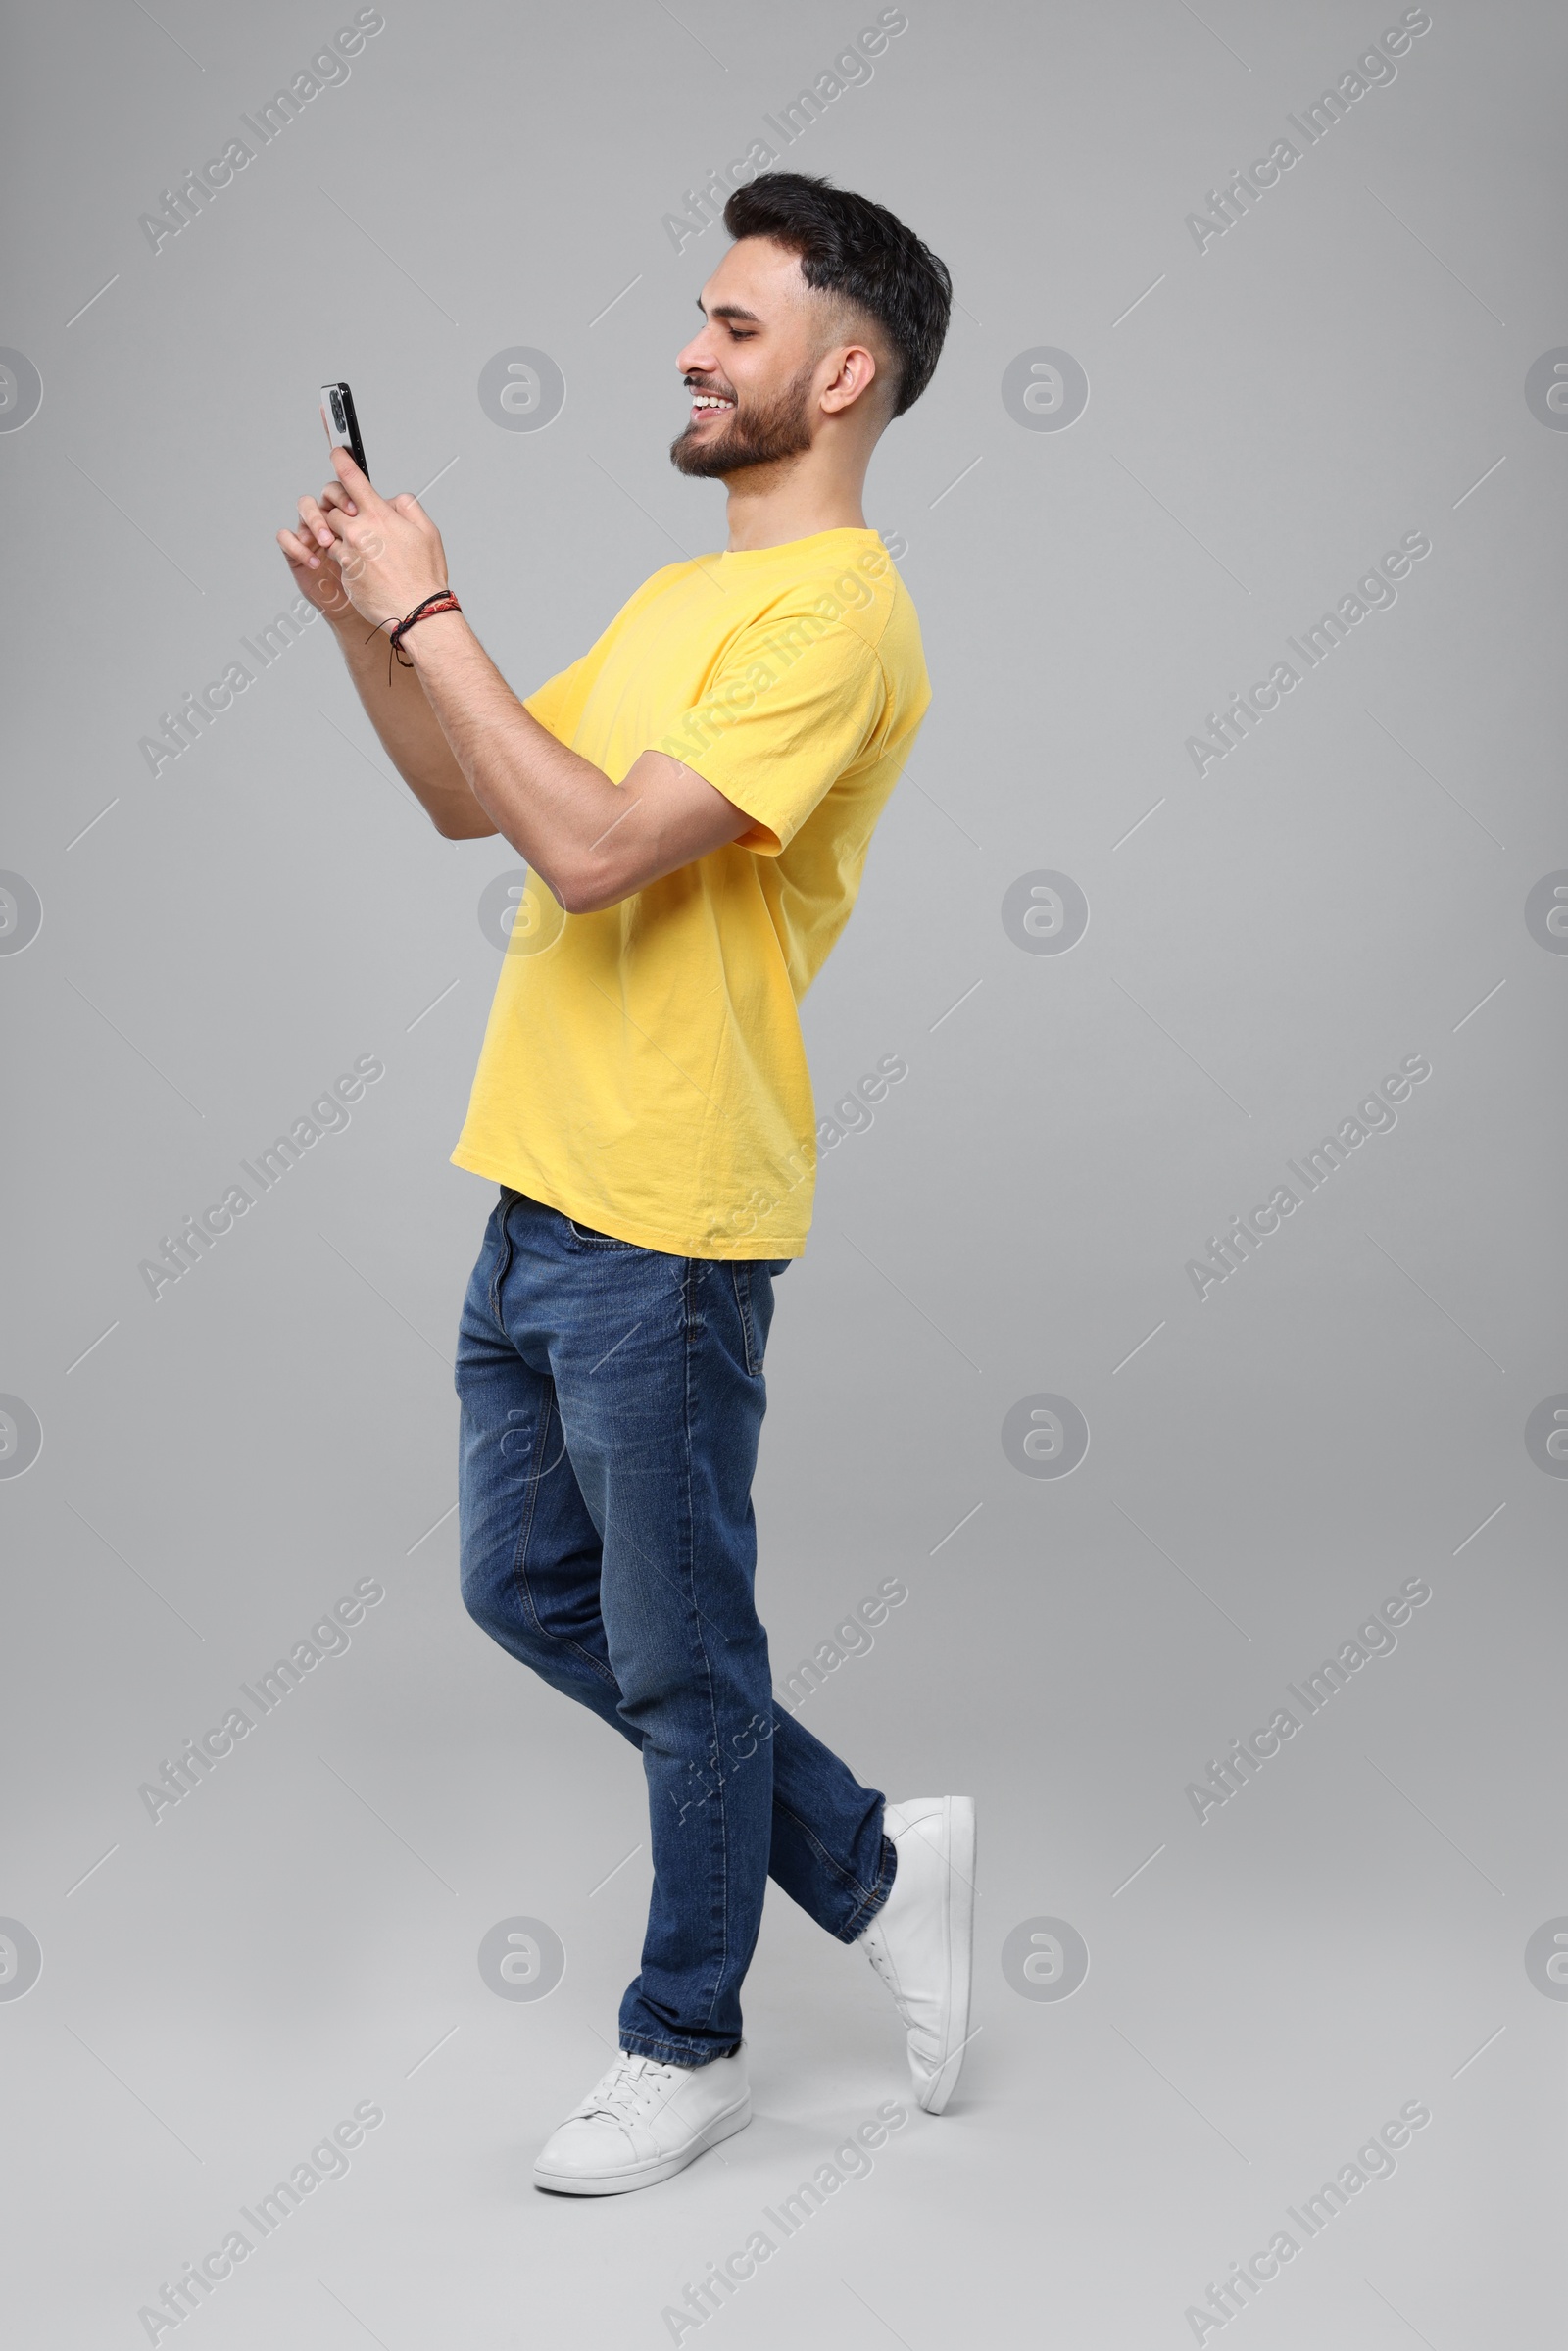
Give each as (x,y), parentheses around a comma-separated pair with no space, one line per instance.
(462,740)
(555,808)
(411,735)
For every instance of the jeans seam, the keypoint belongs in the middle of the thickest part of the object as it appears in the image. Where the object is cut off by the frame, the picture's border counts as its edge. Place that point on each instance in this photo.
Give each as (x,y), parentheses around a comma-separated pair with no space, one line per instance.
(689,1326)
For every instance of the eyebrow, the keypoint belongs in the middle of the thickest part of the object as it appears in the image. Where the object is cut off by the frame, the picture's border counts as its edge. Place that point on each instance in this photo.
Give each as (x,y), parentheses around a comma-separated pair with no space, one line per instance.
(727,309)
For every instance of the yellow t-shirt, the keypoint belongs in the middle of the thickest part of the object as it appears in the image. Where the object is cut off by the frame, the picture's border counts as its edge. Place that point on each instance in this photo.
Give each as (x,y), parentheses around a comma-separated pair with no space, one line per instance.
(643,1069)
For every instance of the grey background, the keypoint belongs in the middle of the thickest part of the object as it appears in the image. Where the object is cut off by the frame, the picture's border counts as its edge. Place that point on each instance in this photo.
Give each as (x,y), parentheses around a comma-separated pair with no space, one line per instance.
(1346,888)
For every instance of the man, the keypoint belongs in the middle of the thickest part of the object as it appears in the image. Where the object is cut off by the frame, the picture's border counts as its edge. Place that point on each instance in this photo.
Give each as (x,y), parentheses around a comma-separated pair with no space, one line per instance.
(693,799)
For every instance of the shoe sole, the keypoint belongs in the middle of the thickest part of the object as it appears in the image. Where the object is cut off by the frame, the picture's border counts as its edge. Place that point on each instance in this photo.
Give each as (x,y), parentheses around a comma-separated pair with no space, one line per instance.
(958,1841)
(648,2175)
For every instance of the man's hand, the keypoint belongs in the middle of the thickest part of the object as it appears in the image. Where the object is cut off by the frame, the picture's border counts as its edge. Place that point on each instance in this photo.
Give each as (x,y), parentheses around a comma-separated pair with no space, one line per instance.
(312,554)
(387,557)
(394,698)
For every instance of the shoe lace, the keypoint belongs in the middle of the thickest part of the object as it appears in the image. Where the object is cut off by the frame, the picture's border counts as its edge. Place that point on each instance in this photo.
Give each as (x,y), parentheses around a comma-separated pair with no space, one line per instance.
(626,2088)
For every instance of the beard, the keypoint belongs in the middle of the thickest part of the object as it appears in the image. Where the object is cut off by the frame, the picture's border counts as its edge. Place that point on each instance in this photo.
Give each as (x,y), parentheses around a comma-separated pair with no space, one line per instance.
(766,433)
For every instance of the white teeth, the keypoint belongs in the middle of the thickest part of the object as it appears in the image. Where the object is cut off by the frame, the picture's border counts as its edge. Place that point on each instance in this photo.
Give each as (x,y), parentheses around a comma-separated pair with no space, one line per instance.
(708,400)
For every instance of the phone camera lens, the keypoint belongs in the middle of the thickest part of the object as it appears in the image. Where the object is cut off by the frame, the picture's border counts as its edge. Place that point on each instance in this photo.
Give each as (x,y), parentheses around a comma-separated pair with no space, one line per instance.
(338,417)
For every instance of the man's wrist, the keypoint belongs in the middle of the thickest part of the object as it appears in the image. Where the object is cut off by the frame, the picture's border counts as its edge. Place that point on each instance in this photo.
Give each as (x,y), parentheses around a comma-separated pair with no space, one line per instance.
(418,640)
(344,617)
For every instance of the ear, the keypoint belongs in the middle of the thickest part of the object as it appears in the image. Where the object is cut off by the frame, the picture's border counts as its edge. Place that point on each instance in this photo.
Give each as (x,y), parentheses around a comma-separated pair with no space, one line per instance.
(856,373)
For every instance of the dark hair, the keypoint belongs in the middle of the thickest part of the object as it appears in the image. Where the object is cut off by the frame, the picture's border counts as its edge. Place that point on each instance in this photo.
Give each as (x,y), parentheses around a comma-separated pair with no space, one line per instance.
(863,254)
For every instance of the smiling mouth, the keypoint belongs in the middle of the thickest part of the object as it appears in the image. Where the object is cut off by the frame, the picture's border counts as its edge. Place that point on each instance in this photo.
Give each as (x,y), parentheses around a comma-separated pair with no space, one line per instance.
(710,403)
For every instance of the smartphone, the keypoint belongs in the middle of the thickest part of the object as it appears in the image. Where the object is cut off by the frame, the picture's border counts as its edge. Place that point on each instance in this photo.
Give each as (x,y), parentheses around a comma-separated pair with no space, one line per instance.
(342,424)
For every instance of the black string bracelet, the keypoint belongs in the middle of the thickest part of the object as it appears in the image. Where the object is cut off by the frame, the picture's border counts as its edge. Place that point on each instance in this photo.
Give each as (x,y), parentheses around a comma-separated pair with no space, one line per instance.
(443,601)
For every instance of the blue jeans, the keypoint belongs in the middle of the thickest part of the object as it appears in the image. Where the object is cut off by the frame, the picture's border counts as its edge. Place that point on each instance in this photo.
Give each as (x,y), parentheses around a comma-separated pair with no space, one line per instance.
(611,1401)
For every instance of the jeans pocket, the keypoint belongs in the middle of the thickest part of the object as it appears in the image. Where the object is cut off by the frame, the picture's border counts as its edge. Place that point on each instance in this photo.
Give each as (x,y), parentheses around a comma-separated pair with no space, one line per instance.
(502,1264)
(590,1239)
(751,1339)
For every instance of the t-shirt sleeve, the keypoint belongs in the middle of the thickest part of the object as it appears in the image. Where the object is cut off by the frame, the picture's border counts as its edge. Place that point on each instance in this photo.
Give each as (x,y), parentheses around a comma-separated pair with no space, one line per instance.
(795,704)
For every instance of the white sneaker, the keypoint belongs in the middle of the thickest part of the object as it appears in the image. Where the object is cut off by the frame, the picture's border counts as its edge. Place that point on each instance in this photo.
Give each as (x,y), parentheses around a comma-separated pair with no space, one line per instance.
(642,2123)
(921,1942)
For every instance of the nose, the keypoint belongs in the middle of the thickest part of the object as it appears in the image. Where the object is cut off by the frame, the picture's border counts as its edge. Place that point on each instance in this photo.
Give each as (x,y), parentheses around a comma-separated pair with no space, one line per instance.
(696,359)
